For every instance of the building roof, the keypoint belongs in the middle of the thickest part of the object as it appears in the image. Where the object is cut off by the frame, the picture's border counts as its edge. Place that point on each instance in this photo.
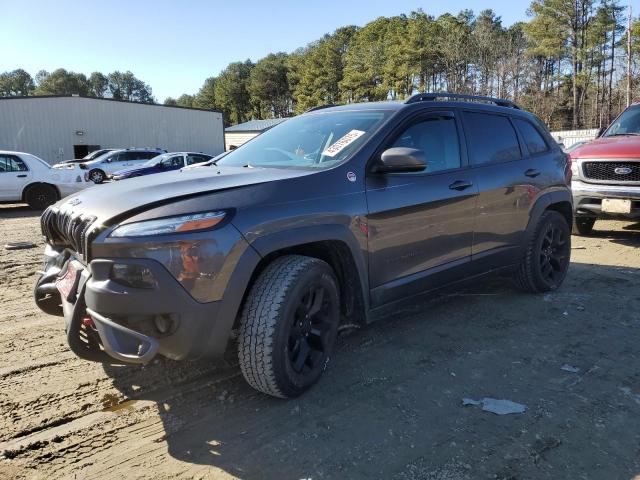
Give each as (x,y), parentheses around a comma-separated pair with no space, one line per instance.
(35,97)
(255,125)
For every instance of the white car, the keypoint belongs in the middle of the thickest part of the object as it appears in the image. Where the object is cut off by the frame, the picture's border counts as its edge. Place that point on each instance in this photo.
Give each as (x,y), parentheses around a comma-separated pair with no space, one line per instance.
(27,178)
(104,166)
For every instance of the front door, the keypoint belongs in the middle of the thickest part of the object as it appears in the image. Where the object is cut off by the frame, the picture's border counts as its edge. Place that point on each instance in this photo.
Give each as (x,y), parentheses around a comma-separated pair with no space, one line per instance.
(420,225)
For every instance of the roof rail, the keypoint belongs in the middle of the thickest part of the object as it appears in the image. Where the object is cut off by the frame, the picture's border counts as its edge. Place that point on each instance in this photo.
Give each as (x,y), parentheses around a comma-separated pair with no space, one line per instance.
(320,107)
(433,96)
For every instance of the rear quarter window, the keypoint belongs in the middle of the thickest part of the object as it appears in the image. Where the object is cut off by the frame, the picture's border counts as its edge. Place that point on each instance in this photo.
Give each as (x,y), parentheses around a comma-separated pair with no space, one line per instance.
(491,138)
(532,138)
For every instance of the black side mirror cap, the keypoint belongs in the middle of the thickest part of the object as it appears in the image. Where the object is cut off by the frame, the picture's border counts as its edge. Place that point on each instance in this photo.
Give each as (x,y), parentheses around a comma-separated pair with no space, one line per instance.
(601,130)
(401,159)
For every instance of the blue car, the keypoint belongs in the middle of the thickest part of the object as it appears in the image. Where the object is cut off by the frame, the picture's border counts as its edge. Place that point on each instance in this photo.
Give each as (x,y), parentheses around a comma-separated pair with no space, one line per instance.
(163,163)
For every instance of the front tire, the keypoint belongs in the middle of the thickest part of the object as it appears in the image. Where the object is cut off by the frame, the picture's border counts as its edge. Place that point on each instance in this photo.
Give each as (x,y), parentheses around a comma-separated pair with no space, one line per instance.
(289,325)
(583,225)
(547,255)
(40,197)
(97,176)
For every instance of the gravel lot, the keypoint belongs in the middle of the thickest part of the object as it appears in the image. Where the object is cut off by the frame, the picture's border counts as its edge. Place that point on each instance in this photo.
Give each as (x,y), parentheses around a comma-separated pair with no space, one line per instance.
(389,406)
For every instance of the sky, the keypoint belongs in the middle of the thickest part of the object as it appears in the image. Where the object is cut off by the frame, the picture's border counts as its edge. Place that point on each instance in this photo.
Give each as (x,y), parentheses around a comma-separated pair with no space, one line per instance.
(175,45)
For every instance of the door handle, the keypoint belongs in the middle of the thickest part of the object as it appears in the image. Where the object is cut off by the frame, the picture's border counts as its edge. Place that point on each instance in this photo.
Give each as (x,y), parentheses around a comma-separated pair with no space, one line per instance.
(532,172)
(460,185)
(22,176)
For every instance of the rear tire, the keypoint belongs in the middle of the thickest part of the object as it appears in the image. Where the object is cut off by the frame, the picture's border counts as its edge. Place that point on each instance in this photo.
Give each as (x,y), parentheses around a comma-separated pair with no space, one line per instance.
(40,197)
(288,326)
(96,175)
(547,256)
(583,225)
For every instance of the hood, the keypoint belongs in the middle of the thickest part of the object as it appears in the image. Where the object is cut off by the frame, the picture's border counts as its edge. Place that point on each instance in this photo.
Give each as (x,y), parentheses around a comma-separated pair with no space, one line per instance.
(114,199)
(627,146)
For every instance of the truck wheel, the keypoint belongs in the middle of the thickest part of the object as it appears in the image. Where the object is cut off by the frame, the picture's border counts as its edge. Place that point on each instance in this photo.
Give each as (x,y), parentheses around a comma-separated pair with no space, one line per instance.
(289,325)
(41,196)
(583,225)
(547,256)
(97,176)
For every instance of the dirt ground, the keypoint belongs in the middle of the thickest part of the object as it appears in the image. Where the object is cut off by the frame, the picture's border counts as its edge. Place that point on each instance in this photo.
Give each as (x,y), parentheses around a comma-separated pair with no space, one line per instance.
(389,405)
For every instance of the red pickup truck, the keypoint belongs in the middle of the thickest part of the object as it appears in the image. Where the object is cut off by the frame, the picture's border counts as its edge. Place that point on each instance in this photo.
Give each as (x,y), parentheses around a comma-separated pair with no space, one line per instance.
(606,174)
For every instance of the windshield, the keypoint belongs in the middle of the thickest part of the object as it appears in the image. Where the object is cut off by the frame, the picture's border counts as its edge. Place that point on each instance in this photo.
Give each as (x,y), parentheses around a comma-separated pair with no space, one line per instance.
(628,123)
(318,140)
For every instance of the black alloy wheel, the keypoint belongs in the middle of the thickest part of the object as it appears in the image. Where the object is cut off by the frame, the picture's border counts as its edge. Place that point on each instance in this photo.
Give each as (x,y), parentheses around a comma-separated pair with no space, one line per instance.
(554,254)
(308,335)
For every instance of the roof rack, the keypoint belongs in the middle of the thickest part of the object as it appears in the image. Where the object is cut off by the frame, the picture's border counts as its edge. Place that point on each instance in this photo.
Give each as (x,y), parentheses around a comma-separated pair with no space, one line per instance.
(320,107)
(433,96)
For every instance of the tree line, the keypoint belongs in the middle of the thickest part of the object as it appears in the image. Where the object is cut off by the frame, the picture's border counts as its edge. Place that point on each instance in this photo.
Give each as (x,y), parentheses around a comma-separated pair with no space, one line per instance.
(117,85)
(567,64)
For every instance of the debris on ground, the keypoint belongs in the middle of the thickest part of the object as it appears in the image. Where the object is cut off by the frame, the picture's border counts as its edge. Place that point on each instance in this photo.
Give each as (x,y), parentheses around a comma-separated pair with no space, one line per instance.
(569,368)
(19,245)
(497,406)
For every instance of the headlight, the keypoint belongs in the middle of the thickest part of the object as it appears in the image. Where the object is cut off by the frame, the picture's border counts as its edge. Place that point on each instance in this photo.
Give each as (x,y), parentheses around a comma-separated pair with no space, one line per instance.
(162,226)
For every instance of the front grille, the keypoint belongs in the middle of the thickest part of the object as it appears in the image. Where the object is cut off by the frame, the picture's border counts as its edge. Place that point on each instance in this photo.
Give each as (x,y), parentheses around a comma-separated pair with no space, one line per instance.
(65,229)
(606,171)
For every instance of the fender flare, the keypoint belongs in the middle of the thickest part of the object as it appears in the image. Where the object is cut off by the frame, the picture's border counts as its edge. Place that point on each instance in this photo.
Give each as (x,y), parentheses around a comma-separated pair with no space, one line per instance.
(543,202)
(270,243)
(260,248)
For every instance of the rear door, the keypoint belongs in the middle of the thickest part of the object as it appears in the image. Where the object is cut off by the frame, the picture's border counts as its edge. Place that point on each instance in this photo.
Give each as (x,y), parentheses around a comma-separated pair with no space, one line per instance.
(14,176)
(508,182)
(420,225)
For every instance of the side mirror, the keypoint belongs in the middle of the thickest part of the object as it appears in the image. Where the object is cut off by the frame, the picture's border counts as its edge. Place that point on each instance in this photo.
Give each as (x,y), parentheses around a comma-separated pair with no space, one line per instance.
(401,159)
(601,130)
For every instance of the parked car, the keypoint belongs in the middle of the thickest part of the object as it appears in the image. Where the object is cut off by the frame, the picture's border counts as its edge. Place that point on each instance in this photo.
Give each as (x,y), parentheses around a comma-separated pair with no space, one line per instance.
(90,156)
(606,174)
(27,178)
(110,162)
(163,163)
(281,245)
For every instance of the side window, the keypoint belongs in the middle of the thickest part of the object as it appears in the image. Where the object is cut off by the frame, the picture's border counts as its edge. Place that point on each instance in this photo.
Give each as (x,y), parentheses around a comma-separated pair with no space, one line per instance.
(491,138)
(532,138)
(437,137)
(146,155)
(9,163)
(134,156)
(191,159)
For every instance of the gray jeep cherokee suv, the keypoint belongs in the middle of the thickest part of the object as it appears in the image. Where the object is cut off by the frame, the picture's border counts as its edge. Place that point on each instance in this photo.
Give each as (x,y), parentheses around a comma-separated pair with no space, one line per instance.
(321,220)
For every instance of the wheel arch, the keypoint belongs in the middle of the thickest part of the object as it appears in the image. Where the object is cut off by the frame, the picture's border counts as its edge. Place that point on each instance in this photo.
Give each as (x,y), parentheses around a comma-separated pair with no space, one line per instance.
(26,189)
(334,244)
(560,201)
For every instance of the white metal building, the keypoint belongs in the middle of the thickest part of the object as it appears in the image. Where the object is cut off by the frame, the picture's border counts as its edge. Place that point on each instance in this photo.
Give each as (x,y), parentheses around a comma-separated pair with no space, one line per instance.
(243,132)
(57,128)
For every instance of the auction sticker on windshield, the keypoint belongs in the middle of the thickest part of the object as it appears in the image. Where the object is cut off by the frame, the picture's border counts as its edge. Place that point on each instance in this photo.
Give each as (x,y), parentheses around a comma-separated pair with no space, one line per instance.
(343,143)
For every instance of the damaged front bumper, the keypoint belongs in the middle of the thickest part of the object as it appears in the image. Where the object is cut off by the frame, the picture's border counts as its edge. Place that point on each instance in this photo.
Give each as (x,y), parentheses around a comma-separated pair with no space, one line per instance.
(106,320)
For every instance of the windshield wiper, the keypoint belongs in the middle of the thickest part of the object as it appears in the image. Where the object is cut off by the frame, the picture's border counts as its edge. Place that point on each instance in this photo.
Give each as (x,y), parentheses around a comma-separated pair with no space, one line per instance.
(623,134)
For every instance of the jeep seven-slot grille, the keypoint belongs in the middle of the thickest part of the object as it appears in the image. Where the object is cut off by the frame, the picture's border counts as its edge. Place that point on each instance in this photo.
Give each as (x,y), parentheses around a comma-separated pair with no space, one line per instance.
(66,230)
(612,171)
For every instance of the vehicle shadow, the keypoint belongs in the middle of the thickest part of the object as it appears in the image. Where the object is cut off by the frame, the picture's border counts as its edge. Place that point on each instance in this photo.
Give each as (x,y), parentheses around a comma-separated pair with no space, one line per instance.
(18,210)
(628,235)
(391,395)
